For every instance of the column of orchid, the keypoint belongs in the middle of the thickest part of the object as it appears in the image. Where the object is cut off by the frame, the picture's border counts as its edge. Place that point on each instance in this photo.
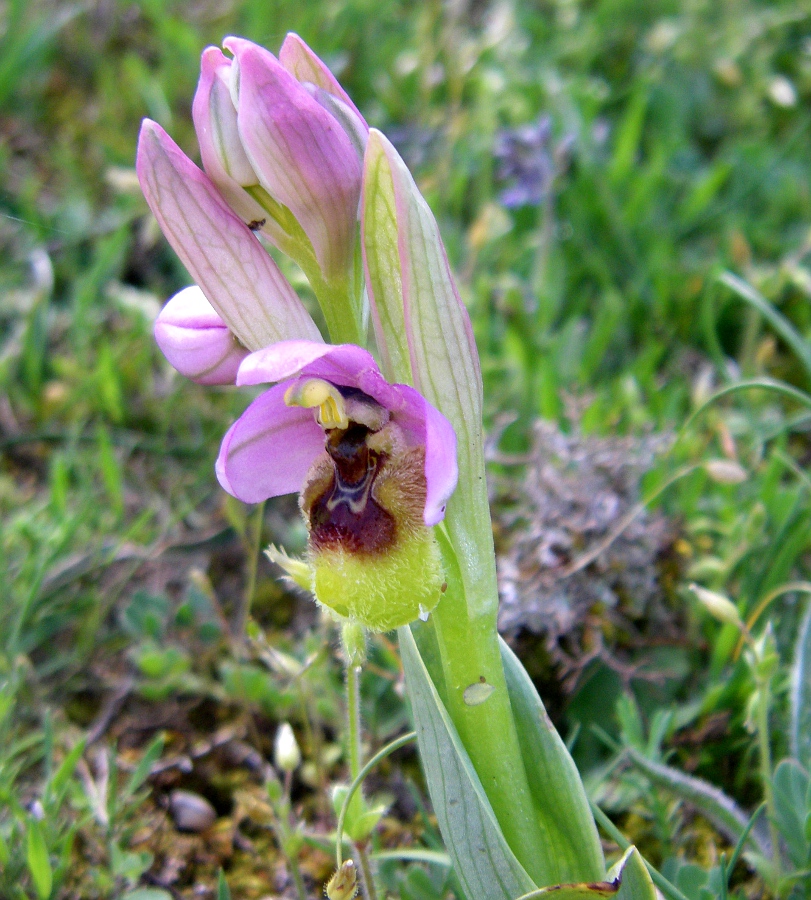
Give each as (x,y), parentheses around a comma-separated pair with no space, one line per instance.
(386,454)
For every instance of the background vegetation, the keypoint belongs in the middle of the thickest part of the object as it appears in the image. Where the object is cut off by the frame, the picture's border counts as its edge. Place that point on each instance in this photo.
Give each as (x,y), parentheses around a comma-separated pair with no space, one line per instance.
(625,192)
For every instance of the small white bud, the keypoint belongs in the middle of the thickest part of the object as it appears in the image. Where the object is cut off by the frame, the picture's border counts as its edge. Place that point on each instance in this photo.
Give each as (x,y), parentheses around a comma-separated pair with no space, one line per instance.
(725,471)
(718,606)
(782,92)
(286,753)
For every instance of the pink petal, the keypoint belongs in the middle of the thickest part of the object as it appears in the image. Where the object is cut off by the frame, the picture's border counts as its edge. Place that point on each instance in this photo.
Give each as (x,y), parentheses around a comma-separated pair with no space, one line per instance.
(342,364)
(423,424)
(224,158)
(356,129)
(301,154)
(306,66)
(215,121)
(196,341)
(268,451)
(223,256)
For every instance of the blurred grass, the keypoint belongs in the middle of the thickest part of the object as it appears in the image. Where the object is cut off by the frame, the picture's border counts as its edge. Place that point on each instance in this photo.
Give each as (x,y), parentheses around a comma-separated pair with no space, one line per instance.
(678,147)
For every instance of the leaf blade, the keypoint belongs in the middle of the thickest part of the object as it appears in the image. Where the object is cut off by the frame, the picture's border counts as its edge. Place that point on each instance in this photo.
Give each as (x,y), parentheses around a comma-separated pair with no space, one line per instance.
(38,861)
(801,695)
(557,790)
(484,863)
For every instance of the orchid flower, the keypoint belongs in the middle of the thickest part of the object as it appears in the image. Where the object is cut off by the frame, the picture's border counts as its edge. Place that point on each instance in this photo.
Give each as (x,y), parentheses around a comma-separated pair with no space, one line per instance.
(374,463)
(282,148)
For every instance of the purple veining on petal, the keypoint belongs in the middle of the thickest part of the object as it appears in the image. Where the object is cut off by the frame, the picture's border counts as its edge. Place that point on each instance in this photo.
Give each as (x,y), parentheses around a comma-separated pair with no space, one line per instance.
(301,154)
(298,58)
(238,276)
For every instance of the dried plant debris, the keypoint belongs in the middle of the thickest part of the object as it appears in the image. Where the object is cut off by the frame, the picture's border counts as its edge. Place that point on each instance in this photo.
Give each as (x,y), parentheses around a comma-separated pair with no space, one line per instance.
(551,519)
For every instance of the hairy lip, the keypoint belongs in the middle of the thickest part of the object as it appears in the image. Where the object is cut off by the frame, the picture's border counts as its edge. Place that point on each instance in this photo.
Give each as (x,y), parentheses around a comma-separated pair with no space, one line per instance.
(346,514)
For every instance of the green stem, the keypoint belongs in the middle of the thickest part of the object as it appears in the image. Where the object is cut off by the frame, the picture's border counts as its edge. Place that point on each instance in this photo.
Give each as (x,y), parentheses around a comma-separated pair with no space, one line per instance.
(765,754)
(295,871)
(469,652)
(357,782)
(341,304)
(284,836)
(253,546)
(341,298)
(367,880)
(354,749)
(353,717)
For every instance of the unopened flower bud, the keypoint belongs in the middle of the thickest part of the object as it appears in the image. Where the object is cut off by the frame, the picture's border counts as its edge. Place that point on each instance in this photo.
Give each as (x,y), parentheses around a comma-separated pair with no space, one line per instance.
(275,146)
(344,883)
(286,753)
(718,606)
(725,471)
(196,341)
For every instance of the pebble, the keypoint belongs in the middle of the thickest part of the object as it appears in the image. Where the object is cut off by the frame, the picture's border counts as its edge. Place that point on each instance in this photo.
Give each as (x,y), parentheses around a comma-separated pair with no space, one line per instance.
(190,811)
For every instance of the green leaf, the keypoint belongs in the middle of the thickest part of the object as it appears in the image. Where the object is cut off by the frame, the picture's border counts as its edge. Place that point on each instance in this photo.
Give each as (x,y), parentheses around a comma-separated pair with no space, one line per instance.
(147,894)
(408,854)
(129,864)
(800,347)
(703,191)
(564,815)
(65,770)
(144,767)
(481,857)
(574,892)
(628,879)
(361,815)
(790,792)
(633,877)
(801,696)
(223,891)
(629,136)
(762,384)
(39,864)
(720,809)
